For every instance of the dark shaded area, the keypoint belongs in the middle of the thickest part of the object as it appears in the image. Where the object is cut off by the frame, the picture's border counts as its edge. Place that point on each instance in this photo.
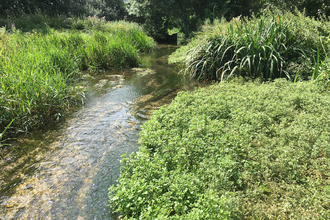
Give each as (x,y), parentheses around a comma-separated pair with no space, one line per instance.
(168,39)
(110,9)
(158,16)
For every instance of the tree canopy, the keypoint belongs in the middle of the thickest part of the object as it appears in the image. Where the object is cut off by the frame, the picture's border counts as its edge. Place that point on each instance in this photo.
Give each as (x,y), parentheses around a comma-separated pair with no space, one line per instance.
(111,9)
(158,16)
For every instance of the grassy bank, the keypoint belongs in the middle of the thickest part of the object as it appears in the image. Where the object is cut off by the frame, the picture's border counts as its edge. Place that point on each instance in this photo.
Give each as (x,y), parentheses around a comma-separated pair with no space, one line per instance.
(236,150)
(38,69)
(270,46)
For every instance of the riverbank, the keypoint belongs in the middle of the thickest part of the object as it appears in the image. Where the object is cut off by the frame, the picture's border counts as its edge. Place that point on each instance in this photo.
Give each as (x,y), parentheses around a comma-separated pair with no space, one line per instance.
(39,69)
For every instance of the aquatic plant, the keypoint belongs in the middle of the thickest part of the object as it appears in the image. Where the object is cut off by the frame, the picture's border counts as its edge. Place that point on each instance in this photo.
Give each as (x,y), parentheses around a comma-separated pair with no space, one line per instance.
(235,150)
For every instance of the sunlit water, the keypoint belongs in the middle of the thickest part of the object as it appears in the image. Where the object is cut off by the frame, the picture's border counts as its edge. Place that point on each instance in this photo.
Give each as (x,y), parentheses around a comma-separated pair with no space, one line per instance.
(65,172)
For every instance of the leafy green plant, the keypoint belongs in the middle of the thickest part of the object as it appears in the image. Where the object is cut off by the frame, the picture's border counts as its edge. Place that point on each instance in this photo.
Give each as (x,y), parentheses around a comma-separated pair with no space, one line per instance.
(235,150)
(2,134)
(4,131)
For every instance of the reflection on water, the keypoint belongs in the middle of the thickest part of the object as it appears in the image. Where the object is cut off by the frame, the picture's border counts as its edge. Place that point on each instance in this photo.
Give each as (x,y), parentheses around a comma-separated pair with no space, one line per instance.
(65,172)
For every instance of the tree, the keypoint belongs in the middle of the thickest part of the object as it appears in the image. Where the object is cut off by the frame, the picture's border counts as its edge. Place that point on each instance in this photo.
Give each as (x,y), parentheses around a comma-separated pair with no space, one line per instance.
(44,6)
(312,8)
(158,16)
(153,14)
(111,9)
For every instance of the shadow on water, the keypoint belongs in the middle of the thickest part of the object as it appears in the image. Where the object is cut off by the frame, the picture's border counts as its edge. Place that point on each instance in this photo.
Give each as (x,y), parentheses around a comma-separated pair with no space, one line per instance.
(65,172)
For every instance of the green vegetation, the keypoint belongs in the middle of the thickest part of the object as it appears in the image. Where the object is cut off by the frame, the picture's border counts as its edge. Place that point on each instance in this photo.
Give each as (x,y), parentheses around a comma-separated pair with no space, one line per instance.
(239,149)
(38,70)
(157,17)
(110,9)
(235,150)
(270,46)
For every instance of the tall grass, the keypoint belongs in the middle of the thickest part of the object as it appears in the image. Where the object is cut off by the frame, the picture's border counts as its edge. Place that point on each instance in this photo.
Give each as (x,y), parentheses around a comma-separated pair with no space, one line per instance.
(271,46)
(38,70)
(244,50)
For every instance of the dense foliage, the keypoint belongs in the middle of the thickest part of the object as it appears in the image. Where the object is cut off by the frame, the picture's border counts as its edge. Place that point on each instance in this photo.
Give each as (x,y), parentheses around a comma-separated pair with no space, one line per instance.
(270,46)
(158,16)
(110,9)
(38,70)
(236,150)
(313,8)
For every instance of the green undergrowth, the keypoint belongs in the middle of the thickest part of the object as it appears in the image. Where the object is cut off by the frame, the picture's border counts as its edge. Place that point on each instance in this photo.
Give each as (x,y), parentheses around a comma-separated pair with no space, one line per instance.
(42,22)
(235,150)
(273,45)
(38,71)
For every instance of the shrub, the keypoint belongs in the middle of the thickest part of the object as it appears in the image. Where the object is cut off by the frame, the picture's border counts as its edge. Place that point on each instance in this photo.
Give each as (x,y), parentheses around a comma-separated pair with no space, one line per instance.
(271,46)
(234,150)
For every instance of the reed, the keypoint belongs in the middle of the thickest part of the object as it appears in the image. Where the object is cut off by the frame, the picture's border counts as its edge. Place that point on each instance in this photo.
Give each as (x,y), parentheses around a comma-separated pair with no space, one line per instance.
(271,46)
(245,50)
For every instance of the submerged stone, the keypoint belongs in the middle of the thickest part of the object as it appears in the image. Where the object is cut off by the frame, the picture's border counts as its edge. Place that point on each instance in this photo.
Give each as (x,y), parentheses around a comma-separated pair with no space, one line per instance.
(141,72)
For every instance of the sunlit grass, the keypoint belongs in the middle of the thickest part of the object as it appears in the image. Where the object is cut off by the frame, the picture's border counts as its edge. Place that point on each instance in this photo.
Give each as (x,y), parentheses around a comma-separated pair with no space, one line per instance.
(270,46)
(38,70)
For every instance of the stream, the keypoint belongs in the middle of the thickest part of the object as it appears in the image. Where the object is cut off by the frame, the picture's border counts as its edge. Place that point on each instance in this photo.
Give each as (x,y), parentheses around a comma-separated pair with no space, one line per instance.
(65,171)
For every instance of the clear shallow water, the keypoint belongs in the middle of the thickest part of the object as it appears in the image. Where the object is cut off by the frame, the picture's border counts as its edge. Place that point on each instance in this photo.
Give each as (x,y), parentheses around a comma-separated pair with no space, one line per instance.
(65,172)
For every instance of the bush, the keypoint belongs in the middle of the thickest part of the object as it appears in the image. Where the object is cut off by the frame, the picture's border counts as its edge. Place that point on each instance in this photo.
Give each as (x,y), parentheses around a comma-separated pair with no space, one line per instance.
(271,46)
(236,150)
